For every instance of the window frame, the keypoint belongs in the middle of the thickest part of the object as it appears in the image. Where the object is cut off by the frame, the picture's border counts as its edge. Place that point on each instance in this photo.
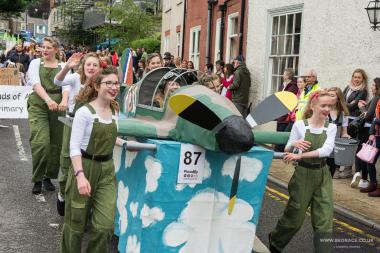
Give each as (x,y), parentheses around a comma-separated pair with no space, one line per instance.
(232,16)
(268,69)
(178,43)
(217,51)
(194,55)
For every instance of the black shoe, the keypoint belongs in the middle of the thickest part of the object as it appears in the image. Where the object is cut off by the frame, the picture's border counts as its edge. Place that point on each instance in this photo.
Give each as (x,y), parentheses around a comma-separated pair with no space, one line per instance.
(272,249)
(37,188)
(60,207)
(48,185)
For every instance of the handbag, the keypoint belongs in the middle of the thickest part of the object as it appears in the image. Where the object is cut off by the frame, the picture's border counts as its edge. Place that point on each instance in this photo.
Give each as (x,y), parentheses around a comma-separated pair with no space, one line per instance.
(355,125)
(368,152)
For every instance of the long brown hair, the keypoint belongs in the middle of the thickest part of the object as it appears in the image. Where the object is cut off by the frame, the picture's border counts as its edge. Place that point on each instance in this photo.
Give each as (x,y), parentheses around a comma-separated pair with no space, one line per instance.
(341,103)
(364,75)
(89,93)
(313,100)
(83,62)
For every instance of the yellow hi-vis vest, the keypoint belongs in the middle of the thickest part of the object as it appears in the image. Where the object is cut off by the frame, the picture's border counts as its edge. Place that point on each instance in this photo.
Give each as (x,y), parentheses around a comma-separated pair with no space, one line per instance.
(303,101)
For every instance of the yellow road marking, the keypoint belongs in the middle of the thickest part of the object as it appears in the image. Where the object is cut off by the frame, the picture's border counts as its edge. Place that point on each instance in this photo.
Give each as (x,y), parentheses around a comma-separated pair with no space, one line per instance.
(274,193)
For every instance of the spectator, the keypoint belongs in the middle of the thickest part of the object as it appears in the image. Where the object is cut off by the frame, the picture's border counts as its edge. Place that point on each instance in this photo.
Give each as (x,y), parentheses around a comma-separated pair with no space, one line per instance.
(154,61)
(190,65)
(62,56)
(192,76)
(301,84)
(211,81)
(240,85)
(114,59)
(144,54)
(177,62)
(20,57)
(368,110)
(3,60)
(21,72)
(289,84)
(168,60)
(338,116)
(184,64)
(353,93)
(141,69)
(227,80)
(375,136)
(311,86)
(219,67)
(209,68)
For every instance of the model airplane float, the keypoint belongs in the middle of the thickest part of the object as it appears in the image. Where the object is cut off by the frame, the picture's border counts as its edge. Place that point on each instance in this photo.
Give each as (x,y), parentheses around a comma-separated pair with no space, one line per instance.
(195,114)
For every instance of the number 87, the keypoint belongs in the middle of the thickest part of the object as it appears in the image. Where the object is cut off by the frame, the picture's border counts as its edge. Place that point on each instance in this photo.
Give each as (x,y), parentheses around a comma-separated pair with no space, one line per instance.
(188,156)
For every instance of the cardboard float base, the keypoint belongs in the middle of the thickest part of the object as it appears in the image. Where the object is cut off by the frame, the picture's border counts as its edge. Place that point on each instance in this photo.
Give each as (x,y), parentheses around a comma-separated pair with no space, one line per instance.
(155,214)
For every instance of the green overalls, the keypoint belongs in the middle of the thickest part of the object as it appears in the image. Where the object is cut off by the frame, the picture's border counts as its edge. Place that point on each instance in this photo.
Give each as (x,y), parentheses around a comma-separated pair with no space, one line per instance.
(101,175)
(310,185)
(45,129)
(65,160)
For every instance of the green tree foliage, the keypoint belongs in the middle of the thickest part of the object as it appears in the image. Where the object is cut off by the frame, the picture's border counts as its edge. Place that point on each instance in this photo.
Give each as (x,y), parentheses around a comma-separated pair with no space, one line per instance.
(9,8)
(151,44)
(129,22)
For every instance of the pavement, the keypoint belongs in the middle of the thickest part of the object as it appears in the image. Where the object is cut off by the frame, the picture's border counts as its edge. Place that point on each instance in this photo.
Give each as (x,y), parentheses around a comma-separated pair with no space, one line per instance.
(347,201)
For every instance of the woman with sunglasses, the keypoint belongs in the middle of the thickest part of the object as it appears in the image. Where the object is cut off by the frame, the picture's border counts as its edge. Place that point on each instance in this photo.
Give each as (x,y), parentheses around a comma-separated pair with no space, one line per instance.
(91,182)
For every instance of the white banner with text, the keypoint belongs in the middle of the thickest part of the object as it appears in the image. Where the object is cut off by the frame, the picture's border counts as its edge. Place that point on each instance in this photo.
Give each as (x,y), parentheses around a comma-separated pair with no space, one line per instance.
(13,101)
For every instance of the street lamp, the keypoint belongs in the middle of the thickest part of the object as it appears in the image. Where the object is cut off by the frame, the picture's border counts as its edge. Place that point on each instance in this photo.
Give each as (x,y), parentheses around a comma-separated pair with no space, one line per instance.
(373,11)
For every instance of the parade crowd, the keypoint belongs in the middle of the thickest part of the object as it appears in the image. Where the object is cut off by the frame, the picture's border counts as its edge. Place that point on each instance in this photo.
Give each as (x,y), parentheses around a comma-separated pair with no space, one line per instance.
(84,84)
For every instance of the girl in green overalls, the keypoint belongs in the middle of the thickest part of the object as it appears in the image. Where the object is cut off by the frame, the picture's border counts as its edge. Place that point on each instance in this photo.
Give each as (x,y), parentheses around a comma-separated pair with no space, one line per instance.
(72,84)
(312,141)
(44,107)
(91,181)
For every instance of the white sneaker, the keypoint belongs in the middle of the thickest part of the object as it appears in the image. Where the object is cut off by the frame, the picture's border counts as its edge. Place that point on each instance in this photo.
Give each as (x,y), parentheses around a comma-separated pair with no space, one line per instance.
(355,179)
(363,183)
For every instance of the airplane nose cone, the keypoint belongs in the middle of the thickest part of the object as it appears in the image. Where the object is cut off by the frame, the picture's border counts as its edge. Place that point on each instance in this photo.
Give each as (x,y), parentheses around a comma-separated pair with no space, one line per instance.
(236,136)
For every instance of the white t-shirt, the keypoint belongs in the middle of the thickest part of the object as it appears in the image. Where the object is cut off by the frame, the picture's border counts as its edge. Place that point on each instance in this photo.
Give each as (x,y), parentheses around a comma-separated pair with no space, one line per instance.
(299,130)
(34,72)
(70,83)
(82,128)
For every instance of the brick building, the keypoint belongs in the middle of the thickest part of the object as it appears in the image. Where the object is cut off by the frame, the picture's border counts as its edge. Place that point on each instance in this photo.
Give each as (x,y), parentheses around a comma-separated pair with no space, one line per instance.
(213,30)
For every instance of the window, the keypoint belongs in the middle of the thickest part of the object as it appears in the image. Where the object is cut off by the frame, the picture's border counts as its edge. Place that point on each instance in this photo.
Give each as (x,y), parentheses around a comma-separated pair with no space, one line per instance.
(178,46)
(22,26)
(195,33)
(217,41)
(285,38)
(167,5)
(40,29)
(166,43)
(232,47)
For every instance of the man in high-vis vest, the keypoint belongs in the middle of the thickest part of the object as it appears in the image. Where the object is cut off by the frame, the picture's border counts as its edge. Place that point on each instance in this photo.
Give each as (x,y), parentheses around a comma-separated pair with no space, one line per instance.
(311,86)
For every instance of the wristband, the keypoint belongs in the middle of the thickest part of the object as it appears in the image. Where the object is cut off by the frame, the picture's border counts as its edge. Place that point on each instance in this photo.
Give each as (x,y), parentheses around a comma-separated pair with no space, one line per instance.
(47,100)
(78,172)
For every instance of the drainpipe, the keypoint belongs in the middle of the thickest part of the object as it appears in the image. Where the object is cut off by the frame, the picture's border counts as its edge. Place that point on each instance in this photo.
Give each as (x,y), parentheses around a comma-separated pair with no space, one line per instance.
(222,9)
(241,35)
(183,28)
(209,30)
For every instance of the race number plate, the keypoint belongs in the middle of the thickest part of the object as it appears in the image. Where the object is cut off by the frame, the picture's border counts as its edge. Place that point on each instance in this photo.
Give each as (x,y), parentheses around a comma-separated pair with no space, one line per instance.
(191,164)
